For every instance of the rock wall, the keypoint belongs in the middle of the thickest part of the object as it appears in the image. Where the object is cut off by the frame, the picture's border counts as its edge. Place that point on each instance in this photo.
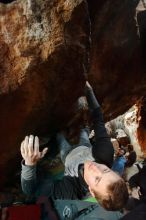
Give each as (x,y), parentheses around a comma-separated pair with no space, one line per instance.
(128,124)
(133,123)
(117,68)
(141,131)
(44,54)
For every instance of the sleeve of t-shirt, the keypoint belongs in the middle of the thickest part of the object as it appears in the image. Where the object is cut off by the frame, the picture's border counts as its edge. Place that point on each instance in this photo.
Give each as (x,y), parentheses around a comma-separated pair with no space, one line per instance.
(28,179)
(67,188)
(103,150)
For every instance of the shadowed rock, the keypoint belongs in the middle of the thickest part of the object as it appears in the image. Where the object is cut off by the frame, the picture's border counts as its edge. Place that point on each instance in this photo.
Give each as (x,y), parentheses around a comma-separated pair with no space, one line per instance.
(44,52)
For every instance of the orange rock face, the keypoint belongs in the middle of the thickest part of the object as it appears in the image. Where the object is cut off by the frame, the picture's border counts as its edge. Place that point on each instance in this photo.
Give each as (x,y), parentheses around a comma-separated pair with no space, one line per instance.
(43,46)
(141,131)
(44,51)
(117,68)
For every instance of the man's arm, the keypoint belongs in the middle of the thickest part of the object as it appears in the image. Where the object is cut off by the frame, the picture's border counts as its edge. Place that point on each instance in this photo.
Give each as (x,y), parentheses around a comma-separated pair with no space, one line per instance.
(28,179)
(67,188)
(31,155)
(94,107)
(103,150)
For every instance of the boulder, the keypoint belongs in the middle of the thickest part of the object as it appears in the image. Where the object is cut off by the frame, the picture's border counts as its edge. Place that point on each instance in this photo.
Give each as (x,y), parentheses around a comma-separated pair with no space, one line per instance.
(117,69)
(127,129)
(46,50)
(121,136)
(43,54)
(141,130)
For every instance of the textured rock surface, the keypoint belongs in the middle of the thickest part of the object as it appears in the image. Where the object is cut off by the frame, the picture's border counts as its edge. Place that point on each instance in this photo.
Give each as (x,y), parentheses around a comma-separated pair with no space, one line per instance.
(43,45)
(141,131)
(127,125)
(117,69)
(121,136)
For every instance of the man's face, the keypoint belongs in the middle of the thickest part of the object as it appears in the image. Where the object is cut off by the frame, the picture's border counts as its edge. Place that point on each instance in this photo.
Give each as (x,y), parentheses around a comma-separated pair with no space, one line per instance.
(98,177)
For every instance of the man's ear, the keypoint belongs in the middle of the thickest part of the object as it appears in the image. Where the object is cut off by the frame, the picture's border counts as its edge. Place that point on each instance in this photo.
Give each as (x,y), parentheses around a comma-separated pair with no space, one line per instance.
(92,192)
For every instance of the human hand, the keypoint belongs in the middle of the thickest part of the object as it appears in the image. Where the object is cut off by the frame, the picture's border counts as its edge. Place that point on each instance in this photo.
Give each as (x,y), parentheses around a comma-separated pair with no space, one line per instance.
(135,192)
(92,134)
(30,150)
(88,85)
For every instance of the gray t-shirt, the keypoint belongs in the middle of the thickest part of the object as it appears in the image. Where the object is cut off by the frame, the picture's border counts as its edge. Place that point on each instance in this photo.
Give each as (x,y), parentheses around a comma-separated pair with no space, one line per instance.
(76,157)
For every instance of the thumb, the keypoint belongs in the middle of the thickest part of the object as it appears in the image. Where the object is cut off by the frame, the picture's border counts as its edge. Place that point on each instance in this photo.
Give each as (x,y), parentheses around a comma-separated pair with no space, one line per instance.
(88,84)
(44,152)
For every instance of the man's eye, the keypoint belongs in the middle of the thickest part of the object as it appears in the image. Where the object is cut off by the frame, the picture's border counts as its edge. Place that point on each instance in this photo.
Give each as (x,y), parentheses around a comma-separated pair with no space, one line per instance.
(106,170)
(97,178)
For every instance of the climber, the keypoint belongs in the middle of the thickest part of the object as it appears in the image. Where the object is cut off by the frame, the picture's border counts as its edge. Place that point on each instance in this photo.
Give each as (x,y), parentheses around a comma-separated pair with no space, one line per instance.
(82,173)
(119,162)
(131,158)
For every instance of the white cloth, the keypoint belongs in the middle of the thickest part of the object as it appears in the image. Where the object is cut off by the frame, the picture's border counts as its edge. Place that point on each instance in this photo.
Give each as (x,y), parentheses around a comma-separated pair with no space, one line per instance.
(76,157)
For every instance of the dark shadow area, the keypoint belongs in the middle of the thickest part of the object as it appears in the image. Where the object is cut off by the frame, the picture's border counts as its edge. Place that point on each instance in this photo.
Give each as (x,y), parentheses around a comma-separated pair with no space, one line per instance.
(141,19)
(143,112)
(7,1)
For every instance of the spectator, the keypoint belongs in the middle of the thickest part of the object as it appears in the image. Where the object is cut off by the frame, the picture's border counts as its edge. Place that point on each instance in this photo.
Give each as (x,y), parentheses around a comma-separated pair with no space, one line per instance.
(131,158)
(119,163)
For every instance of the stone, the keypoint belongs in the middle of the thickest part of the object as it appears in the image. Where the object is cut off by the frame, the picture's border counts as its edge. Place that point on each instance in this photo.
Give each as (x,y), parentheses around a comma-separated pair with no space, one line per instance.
(43,52)
(125,128)
(117,69)
(141,129)
(131,124)
(47,51)
(121,136)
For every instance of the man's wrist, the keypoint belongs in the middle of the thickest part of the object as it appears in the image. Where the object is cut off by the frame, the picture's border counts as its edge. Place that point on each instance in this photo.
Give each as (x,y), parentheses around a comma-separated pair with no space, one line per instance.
(28,171)
(88,87)
(29,163)
(88,90)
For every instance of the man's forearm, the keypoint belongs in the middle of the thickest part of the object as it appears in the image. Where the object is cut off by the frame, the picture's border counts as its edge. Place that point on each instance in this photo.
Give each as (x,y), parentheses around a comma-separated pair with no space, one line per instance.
(96,112)
(103,149)
(28,179)
(91,99)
